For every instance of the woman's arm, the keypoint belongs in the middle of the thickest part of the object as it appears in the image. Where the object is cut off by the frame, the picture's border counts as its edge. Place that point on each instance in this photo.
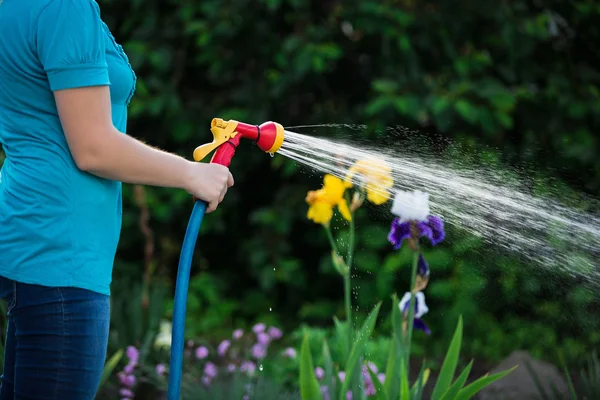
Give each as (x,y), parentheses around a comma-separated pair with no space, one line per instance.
(98,148)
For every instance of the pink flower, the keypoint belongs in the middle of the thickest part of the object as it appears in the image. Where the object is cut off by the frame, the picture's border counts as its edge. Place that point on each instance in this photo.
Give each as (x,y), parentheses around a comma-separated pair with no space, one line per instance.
(237,334)
(342,376)
(129,368)
(248,366)
(133,354)
(372,367)
(320,373)
(210,370)
(263,338)
(231,367)
(289,352)
(325,392)
(126,393)
(259,351)
(127,380)
(223,347)
(381,377)
(258,328)
(206,380)
(275,333)
(349,395)
(201,352)
(161,369)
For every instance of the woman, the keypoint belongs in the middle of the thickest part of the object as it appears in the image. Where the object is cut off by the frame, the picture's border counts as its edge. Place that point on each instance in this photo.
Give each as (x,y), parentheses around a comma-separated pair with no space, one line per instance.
(64,89)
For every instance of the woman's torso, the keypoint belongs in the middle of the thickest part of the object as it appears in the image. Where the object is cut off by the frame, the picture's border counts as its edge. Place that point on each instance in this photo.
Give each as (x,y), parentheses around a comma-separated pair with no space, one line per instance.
(58,226)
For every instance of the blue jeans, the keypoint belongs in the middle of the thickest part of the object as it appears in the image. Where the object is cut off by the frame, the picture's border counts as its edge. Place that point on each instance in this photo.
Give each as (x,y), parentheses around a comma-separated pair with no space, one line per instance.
(55,342)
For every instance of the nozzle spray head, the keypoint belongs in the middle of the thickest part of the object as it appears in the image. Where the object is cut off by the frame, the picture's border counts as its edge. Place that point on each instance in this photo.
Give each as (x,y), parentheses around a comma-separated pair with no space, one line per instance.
(267,136)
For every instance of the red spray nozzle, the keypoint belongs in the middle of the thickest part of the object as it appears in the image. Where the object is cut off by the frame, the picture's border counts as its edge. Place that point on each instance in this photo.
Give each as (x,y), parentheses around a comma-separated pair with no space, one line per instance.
(268,136)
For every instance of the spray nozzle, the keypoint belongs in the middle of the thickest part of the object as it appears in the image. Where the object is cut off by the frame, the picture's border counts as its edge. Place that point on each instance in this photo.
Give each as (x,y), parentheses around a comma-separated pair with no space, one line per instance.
(268,137)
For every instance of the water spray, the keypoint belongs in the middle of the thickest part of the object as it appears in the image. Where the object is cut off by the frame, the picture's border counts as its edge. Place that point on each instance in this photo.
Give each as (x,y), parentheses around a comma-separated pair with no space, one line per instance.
(226,137)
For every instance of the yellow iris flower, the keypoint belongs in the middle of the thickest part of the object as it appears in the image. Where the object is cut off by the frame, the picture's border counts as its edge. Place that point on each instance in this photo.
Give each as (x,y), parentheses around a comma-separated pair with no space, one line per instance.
(377,178)
(321,202)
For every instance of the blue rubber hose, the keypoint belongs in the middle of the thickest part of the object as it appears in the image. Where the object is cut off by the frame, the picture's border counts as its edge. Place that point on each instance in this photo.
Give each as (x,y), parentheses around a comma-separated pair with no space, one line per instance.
(181,291)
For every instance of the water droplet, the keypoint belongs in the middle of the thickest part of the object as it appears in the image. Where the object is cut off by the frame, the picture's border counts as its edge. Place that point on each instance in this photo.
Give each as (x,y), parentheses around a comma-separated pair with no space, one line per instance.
(272,155)
(260,367)
(270,308)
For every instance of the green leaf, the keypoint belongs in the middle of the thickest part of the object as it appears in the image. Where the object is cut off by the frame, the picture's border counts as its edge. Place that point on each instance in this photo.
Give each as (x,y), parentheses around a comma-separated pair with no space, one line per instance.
(404,389)
(458,384)
(449,365)
(110,366)
(472,389)
(358,348)
(466,110)
(309,385)
(390,386)
(330,380)
(341,331)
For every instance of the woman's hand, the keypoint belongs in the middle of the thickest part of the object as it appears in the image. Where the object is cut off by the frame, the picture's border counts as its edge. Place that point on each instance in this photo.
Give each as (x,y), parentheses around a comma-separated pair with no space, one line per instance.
(208,182)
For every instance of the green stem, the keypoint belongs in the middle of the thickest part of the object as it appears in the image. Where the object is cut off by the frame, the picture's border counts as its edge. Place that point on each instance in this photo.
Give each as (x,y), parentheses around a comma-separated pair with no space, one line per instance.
(411,307)
(331,239)
(347,286)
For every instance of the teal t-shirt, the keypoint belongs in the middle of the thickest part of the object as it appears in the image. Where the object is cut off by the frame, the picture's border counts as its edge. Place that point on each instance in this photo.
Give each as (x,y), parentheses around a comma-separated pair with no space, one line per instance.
(59,226)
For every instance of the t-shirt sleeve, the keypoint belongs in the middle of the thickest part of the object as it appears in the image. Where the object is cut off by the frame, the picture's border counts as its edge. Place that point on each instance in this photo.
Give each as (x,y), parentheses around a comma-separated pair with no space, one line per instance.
(70,44)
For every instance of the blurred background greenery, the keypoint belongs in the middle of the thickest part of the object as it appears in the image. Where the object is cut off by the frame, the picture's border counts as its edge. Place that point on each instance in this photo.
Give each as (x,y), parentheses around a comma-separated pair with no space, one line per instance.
(514,84)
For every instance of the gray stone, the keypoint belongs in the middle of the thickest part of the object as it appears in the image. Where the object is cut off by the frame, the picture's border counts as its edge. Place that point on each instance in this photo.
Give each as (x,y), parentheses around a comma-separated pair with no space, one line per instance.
(520,384)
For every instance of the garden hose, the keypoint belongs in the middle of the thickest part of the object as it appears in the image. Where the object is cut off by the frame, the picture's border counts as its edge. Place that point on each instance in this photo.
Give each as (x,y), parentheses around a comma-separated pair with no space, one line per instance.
(226,137)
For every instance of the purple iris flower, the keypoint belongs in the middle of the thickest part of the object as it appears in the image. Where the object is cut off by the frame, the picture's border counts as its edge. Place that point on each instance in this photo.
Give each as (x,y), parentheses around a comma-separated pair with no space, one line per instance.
(432,229)
(420,310)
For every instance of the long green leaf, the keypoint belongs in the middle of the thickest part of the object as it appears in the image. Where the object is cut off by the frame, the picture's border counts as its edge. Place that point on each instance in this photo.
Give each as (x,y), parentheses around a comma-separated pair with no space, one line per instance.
(404,388)
(358,348)
(110,366)
(458,384)
(471,390)
(330,380)
(391,386)
(309,385)
(341,331)
(449,365)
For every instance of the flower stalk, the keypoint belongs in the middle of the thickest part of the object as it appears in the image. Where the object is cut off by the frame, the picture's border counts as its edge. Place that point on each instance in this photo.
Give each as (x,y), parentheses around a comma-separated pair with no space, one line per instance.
(411,308)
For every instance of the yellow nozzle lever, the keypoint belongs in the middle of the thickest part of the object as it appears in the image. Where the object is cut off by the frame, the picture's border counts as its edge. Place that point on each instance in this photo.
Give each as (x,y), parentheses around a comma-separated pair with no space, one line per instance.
(222,131)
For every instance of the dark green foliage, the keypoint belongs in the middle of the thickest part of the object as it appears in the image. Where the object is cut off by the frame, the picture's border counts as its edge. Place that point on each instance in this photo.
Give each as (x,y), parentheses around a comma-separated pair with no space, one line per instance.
(514,83)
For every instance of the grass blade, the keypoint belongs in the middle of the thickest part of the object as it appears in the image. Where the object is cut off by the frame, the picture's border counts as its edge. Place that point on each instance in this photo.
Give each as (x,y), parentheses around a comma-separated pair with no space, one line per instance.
(471,390)
(391,387)
(450,362)
(404,389)
(458,384)
(309,385)
(330,380)
(341,331)
(110,366)
(358,348)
